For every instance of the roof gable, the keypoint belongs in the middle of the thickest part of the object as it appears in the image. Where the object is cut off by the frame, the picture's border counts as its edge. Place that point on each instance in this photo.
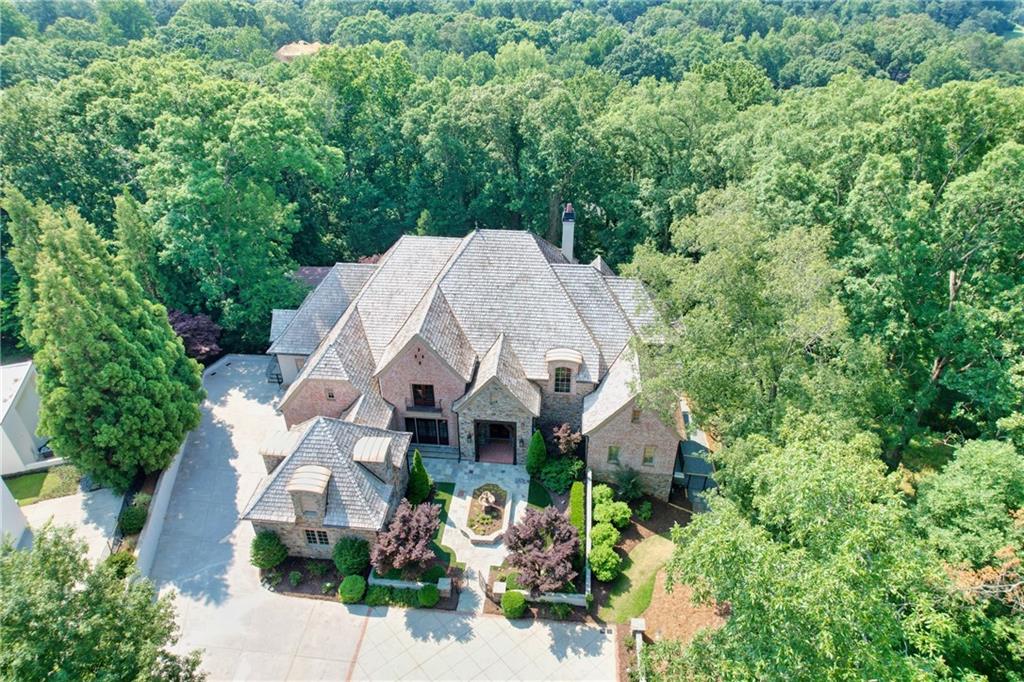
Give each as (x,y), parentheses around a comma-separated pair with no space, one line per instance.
(500,366)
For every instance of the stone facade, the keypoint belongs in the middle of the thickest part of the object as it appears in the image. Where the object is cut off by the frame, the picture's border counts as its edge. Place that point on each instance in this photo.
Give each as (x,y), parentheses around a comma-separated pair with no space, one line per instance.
(418,364)
(562,408)
(294,537)
(632,438)
(494,403)
(319,398)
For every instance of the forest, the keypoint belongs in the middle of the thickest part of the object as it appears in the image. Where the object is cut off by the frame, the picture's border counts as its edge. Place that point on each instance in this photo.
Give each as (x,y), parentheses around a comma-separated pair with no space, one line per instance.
(825,199)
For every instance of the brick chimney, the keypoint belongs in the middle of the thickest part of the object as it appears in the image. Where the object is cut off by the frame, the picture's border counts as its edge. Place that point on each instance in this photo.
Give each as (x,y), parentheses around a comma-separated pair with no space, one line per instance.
(568,232)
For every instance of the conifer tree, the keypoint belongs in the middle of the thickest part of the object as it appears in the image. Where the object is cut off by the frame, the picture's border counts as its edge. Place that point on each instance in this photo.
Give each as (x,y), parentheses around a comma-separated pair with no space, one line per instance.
(420,484)
(117,392)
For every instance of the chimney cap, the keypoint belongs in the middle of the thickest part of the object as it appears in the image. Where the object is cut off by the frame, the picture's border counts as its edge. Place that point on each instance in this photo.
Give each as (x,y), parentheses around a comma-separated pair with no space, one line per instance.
(568,215)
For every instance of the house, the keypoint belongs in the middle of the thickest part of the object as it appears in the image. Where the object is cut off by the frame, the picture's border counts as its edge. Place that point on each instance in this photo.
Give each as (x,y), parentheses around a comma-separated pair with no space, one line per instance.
(13,524)
(327,479)
(20,446)
(468,345)
(299,48)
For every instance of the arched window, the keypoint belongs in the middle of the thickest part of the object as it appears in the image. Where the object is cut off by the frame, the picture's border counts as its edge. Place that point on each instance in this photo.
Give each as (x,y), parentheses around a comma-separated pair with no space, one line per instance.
(563,380)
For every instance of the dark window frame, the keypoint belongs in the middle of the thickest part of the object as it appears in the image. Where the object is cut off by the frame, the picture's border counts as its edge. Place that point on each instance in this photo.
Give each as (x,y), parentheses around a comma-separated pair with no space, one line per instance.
(423,395)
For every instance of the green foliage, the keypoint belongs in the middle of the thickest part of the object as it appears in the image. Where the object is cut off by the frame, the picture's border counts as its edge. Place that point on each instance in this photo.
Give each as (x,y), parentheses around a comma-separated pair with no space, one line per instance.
(558,474)
(352,589)
(121,563)
(420,484)
(327,587)
(117,393)
(536,454)
(429,596)
(294,578)
(351,555)
(132,520)
(318,568)
(577,507)
(628,482)
(604,534)
(433,573)
(63,618)
(513,604)
(966,511)
(44,485)
(560,611)
(379,595)
(615,513)
(602,493)
(605,562)
(267,550)
(645,510)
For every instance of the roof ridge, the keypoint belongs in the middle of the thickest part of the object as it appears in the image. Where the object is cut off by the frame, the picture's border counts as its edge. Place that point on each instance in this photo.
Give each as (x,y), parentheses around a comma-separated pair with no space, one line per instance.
(579,314)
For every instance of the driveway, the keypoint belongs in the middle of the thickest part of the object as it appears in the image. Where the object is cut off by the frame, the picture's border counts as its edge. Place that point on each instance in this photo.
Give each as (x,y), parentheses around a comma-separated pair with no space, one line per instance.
(249,633)
(93,516)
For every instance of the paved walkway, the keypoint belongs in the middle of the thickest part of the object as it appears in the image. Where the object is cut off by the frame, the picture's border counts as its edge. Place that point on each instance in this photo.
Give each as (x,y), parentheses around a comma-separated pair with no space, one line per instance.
(92,515)
(250,633)
(468,476)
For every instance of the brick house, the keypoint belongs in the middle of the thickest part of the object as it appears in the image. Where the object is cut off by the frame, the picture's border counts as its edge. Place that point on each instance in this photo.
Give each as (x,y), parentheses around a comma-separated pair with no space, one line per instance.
(468,345)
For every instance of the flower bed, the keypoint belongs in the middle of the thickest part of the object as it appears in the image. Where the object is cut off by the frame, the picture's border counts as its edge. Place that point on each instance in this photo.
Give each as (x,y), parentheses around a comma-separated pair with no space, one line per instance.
(488,515)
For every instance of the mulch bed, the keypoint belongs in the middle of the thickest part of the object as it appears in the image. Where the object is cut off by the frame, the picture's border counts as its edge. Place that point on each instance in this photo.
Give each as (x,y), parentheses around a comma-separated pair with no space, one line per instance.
(537,610)
(495,512)
(312,586)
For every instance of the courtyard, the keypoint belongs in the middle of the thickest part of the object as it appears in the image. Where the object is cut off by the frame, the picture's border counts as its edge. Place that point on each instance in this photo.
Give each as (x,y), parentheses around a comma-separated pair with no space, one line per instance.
(247,632)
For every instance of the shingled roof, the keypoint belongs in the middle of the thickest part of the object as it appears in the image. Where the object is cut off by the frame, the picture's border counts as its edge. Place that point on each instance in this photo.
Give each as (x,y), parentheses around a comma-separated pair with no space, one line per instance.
(620,386)
(500,365)
(356,498)
(320,311)
(460,295)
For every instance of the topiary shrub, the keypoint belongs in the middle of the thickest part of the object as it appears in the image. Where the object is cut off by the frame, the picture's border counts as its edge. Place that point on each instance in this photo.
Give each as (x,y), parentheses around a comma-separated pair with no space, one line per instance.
(378,595)
(132,520)
(352,555)
(604,535)
(352,589)
(536,455)
(429,596)
(513,604)
(616,513)
(645,511)
(602,494)
(420,484)
(121,563)
(577,507)
(605,563)
(267,550)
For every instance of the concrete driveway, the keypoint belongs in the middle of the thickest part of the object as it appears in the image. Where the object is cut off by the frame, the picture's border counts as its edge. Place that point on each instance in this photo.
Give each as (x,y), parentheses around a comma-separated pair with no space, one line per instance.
(249,633)
(92,515)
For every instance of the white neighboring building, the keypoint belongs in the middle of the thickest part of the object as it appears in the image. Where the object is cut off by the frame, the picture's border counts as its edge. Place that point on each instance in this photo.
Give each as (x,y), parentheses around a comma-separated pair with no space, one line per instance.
(19,416)
(12,521)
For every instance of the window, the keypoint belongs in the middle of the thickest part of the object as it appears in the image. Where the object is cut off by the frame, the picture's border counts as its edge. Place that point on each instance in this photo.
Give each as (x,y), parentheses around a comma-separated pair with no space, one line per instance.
(613,454)
(330,393)
(649,451)
(636,416)
(317,537)
(563,380)
(423,395)
(427,431)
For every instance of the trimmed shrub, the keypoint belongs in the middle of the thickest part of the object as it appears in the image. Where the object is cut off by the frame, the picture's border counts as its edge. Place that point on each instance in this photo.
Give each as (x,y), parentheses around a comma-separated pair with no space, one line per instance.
(352,555)
(560,611)
(294,578)
(605,562)
(577,507)
(645,510)
(616,513)
(429,596)
(628,482)
(433,574)
(602,494)
(267,550)
(604,535)
(378,595)
(558,474)
(121,563)
(513,604)
(536,455)
(352,589)
(132,520)
(420,484)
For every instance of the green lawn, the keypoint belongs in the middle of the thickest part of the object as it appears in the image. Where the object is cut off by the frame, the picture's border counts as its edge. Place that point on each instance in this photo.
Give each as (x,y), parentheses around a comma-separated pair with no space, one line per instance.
(44,485)
(631,592)
(443,495)
(538,496)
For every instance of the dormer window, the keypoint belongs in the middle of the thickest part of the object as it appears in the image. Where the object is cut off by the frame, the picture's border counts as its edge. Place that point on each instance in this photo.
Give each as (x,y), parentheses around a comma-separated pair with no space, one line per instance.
(563,380)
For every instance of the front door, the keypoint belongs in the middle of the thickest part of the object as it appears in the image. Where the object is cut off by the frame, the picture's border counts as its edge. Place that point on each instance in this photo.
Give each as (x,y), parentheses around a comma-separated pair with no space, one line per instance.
(495,442)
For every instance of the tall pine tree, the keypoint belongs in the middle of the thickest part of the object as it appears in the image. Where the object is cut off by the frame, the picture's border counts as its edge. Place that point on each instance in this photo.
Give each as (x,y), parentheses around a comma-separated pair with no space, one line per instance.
(117,392)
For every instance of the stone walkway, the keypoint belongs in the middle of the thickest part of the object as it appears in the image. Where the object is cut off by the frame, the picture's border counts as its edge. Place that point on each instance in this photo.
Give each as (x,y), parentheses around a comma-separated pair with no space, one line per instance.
(468,476)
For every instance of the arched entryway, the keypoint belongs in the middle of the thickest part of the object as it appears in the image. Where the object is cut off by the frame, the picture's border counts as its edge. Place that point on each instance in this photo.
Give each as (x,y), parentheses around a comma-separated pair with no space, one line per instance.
(495,441)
